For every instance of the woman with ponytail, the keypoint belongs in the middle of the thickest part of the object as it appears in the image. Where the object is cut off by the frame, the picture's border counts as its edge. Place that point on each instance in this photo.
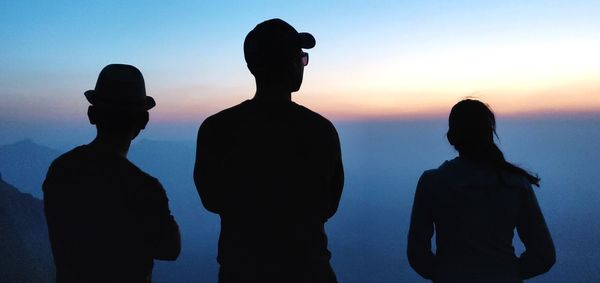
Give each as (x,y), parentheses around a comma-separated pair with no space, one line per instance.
(474,202)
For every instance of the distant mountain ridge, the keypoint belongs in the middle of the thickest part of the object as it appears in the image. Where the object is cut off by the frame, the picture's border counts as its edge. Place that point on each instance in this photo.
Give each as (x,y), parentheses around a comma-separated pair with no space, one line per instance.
(25,248)
(25,164)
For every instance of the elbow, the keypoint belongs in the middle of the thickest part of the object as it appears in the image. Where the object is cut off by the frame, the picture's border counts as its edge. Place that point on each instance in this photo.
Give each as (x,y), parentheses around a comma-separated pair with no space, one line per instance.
(532,266)
(175,252)
(197,181)
(171,254)
(414,250)
(414,260)
(209,206)
(171,245)
(333,200)
(421,261)
(330,212)
(411,255)
(206,199)
(548,261)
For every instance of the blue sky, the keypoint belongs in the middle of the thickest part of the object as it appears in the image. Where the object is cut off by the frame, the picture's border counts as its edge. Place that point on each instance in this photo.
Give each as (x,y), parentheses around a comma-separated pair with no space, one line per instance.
(373,58)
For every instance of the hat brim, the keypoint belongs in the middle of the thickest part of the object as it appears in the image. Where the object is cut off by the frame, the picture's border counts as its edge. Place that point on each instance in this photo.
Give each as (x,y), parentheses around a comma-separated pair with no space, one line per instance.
(307,41)
(91,96)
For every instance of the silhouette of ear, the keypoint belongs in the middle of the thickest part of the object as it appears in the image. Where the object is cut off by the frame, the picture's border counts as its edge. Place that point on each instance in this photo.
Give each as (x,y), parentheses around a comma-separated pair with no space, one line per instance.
(296,76)
(250,68)
(256,70)
(144,120)
(450,137)
(92,115)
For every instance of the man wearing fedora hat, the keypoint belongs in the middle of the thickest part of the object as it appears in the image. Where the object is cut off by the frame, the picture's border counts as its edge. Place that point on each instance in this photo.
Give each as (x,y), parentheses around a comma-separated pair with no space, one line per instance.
(271,169)
(107,219)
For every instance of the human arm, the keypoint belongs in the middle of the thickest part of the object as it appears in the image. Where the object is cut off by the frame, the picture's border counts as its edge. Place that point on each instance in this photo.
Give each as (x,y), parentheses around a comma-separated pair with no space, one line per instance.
(420,256)
(206,168)
(539,255)
(166,240)
(336,184)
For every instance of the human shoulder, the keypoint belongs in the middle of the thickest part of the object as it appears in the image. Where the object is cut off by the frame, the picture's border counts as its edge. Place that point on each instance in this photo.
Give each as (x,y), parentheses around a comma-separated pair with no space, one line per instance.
(70,158)
(227,114)
(87,156)
(441,170)
(213,126)
(142,181)
(311,114)
(429,176)
(136,172)
(151,184)
(433,177)
(515,180)
(315,118)
(74,153)
(459,168)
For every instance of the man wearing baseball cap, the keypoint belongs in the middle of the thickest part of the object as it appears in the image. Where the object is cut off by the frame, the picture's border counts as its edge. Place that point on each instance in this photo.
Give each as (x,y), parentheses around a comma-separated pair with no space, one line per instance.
(271,169)
(107,219)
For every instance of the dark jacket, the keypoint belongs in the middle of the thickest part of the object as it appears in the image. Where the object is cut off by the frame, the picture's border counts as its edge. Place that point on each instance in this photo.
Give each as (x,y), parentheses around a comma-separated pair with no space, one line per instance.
(107,219)
(273,172)
(474,211)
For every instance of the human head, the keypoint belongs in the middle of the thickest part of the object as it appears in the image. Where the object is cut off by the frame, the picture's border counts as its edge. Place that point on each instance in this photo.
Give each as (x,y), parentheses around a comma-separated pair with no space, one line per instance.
(119,101)
(471,130)
(273,53)
(471,126)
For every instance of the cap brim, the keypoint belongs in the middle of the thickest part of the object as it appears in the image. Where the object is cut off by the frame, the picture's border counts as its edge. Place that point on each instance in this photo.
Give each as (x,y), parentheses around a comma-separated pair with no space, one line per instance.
(89,95)
(307,41)
(150,103)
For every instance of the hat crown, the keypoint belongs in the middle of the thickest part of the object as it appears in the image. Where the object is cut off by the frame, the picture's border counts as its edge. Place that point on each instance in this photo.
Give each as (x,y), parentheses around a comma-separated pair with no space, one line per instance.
(121,82)
(120,85)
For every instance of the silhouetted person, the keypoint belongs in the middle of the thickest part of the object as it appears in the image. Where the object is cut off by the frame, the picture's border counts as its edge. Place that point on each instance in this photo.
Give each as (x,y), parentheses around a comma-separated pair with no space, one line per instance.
(271,169)
(107,219)
(474,202)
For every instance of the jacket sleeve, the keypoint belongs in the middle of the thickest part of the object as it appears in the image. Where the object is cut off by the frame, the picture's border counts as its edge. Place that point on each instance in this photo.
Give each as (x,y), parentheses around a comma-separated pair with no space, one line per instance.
(420,256)
(166,240)
(336,183)
(539,255)
(207,167)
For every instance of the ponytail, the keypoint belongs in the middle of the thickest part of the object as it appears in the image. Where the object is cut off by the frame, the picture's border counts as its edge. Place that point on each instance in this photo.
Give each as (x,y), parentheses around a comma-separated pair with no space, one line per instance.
(472,127)
(499,162)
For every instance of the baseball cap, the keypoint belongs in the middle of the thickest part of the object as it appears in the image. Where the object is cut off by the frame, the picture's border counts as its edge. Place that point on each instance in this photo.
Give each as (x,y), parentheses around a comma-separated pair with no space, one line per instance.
(274,42)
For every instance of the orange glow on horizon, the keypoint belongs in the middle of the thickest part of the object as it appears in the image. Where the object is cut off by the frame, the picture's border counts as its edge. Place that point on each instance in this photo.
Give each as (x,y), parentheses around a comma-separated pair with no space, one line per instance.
(582,97)
(514,78)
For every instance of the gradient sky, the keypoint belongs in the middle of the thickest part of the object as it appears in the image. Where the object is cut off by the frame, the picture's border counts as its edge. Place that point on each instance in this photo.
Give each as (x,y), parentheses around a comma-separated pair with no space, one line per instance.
(373,59)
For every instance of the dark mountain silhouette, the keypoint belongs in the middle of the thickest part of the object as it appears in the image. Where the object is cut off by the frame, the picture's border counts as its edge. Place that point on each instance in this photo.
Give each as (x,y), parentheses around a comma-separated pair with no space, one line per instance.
(25,254)
(25,164)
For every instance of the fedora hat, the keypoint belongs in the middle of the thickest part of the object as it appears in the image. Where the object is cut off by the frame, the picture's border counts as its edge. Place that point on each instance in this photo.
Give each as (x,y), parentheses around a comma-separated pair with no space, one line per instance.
(120,87)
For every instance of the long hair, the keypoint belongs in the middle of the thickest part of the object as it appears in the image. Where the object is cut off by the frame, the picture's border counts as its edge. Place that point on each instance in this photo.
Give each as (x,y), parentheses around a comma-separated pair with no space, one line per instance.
(471,131)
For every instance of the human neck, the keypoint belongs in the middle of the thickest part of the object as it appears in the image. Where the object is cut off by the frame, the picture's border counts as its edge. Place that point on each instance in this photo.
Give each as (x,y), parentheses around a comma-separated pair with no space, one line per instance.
(273,92)
(117,144)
